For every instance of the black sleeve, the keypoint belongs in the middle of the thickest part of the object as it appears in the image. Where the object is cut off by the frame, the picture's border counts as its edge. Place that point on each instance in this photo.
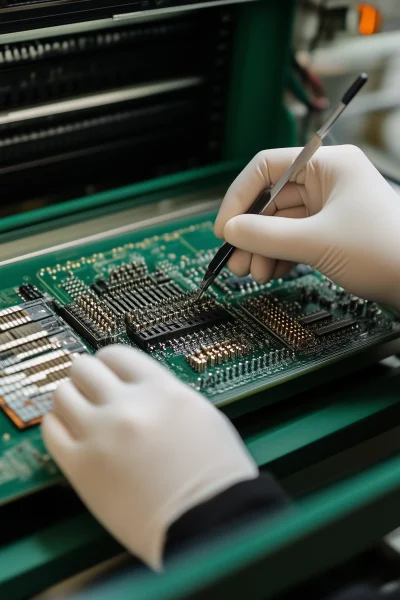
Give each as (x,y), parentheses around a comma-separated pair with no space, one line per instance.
(240,504)
(365,593)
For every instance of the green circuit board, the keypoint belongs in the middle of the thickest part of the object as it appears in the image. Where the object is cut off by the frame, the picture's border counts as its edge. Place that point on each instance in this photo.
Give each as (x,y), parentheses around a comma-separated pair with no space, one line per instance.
(139,289)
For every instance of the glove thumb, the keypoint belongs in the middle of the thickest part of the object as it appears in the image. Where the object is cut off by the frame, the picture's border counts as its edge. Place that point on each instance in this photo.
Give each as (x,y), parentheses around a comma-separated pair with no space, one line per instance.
(284,238)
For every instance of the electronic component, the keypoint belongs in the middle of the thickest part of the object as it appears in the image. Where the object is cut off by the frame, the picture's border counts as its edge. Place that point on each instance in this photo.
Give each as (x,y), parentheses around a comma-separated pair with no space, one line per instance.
(28,340)
(28,291)
(236,283)
(267,311)
(239,283)
(132,295)
(92,320)
(314,317)
(264,363)
(210,356)
(26,388)
(336,326)
(23,313)
(35,353)
(29,332)
(13,353)
(172,322)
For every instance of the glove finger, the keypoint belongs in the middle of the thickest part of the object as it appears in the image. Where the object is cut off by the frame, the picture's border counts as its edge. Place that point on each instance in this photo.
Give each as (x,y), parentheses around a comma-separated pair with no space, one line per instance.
(262,268)
(263,171)
(297,240)
(283,268)
(130,365)
(295,212)
(290,199)
(58,441)
(72,408)
(94,380)
(331,168)
(121,360)
(239,263)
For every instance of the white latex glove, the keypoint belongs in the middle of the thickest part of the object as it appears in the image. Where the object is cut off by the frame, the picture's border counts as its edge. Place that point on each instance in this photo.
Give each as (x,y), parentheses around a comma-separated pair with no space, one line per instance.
(339,216)
(140,447)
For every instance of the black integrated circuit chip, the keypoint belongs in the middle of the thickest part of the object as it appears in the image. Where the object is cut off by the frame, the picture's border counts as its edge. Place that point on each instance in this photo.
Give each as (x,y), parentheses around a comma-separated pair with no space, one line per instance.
(336,326)
(171,329)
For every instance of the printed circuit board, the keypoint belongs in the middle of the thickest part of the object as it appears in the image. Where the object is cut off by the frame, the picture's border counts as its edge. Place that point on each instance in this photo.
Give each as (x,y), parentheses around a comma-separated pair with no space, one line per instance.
(139,289)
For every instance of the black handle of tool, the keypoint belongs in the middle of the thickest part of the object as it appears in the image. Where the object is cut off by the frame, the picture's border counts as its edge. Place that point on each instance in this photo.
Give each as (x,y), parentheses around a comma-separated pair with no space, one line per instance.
(355,88)
(226,250)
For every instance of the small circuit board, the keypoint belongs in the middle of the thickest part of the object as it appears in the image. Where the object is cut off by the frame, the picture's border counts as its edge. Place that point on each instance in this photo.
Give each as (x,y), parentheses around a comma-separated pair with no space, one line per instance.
(140,290)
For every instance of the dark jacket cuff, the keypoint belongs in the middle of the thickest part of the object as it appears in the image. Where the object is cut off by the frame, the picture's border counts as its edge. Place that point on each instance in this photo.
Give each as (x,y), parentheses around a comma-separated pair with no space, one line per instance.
(240,503)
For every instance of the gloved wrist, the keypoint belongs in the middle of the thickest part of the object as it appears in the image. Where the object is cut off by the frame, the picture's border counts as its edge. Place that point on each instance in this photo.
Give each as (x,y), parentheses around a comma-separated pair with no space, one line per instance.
(237,505)
(186,499)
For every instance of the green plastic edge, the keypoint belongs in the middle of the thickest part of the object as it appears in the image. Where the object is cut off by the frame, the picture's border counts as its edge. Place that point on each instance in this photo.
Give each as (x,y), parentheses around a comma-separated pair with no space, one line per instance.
(89,203)
(52,555)
(229,564)
(48,544)
(289,437)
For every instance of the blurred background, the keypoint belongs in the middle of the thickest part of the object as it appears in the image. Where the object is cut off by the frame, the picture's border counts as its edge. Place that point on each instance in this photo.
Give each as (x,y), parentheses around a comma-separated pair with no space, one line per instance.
(62,137)
(333,41)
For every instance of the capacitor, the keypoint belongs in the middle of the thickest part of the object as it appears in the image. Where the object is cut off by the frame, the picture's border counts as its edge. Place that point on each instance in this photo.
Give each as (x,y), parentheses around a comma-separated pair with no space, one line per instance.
(353,303)
(360,307)
(325,302)
(210,381)
(303,293)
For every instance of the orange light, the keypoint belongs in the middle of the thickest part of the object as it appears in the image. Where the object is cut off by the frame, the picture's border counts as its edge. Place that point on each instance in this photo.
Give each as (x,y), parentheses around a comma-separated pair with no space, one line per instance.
(370,19)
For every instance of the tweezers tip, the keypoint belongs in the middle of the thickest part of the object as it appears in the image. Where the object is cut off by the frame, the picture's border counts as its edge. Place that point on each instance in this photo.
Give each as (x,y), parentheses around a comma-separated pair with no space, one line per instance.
(205,284)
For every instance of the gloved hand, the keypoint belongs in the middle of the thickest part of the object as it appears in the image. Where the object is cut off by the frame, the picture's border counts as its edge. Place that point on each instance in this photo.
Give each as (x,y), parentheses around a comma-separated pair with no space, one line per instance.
(338,216)
(140,447)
